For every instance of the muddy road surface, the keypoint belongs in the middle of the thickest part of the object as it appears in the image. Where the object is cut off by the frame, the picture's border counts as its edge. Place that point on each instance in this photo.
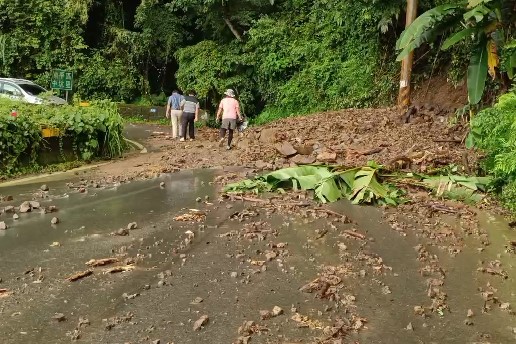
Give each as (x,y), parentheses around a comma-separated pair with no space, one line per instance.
(169,260)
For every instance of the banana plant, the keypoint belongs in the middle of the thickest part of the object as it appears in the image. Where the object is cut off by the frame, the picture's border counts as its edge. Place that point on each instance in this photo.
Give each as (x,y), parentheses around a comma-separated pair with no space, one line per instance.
(487,23)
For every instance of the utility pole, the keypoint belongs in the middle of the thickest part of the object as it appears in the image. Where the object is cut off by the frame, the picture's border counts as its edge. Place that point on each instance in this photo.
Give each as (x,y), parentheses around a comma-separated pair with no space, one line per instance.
(406,64)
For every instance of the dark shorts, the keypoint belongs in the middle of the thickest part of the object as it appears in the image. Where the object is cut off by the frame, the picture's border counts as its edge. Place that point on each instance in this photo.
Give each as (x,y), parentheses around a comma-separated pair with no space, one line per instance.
(229,123)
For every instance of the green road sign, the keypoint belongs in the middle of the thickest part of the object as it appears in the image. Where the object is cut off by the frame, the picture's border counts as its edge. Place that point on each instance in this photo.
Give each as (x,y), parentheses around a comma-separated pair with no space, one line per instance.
(62,80)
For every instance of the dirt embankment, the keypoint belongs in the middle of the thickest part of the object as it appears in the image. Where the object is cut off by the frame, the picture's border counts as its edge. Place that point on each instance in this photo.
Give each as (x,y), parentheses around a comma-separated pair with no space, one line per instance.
(419,142)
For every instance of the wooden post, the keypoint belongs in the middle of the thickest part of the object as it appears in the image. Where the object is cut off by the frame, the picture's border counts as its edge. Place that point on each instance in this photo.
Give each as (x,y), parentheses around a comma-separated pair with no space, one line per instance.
(406,64)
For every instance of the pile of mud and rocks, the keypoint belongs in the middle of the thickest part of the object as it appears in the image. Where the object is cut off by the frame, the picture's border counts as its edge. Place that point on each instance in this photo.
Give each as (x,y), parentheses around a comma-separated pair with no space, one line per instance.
(422,139)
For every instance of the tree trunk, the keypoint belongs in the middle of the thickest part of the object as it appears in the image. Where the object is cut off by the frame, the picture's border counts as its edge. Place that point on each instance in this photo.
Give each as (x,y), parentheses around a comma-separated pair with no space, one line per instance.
(233,29)
(406,64)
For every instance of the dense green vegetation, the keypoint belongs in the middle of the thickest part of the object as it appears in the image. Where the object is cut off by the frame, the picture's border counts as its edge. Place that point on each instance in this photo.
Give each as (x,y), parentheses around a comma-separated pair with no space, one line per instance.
(94,131)
(494,131)
(282,56)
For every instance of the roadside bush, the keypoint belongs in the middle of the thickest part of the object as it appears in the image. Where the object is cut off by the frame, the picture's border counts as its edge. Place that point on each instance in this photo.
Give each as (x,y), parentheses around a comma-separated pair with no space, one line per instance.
(494,131)
(95,131)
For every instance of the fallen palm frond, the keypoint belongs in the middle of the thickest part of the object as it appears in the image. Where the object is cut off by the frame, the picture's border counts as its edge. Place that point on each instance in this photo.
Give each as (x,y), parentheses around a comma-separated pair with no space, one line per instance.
(330,184)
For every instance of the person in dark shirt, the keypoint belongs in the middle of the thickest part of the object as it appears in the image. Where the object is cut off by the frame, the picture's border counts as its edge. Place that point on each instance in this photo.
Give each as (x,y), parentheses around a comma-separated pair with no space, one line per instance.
(190,115)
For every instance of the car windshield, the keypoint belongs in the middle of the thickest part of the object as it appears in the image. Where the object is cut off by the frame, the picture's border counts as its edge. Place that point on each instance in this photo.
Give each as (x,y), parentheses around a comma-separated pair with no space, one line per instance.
(32,89)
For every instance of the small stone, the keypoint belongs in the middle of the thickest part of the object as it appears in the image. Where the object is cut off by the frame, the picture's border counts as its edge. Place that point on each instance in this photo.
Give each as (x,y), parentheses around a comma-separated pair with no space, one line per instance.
(197,301)
(132,225)
(270,255)
(386,290)
(16,217)
(122,232)
(44,187)
(468,322)
(25,207)
(418,310)
(161,284)
(54,221)
(409,327)
(265,314)
(34,204)
(162,184)
(234,274)
(157,341)
(470,313)
(200,323)
(59,317)
(277,311)
(9,209)
(3,226)
(505,306)
(327,156)
(198,199)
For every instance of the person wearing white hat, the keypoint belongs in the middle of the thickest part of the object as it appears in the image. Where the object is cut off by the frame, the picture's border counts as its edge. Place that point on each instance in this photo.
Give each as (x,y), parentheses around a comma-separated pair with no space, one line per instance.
(229,112)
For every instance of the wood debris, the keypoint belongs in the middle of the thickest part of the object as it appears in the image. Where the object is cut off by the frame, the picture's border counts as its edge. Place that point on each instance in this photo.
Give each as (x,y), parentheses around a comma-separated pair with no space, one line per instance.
(117,269)
(101,262)
(79,275)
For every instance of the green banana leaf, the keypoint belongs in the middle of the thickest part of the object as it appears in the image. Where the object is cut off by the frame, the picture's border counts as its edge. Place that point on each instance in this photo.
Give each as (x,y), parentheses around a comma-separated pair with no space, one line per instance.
(425,28)
(329,184)
(457,37)
(477,72)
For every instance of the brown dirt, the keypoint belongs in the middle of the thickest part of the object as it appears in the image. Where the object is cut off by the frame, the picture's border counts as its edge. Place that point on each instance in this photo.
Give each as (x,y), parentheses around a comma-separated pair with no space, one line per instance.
(439,92)
(347,137)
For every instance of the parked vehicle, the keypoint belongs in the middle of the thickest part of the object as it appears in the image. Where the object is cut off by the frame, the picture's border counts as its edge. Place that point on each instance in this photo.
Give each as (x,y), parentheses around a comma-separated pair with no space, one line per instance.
(27,91)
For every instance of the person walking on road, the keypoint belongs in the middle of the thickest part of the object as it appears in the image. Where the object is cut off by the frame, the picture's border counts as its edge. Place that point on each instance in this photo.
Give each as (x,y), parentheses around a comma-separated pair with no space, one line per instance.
(229,112)
(174,112)
(190,115)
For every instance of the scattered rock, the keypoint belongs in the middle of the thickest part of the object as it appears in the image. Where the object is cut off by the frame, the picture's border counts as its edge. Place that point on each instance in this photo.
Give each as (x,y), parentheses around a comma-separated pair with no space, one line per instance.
(468,322)
(409,327)
(505,306)
(9,209)
(122,232)
(198,199)
(418,310)
(126,296)
(34,204)
(199,324)
(44,187)
(303,160)
(268,135)
(276,311)
(25,207)
(3,226)
(55,221)
(470,313)
(386,290)
(59,317)
(265,314)
(157,341)
(132,225)
(234,274)
(327,156)
(304,149)
(197,300)
(16,217)
(285,149)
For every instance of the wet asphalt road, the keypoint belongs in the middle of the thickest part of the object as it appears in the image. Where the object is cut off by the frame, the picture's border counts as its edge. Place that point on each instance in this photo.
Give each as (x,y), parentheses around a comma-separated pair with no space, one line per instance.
(174,266)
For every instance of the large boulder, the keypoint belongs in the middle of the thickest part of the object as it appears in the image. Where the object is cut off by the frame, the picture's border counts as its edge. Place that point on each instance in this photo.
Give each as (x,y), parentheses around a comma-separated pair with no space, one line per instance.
(285,149)
(268,135)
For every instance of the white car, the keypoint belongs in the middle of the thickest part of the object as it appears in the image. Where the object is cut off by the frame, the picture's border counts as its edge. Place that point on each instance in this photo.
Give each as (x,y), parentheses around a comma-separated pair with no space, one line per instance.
(27,91)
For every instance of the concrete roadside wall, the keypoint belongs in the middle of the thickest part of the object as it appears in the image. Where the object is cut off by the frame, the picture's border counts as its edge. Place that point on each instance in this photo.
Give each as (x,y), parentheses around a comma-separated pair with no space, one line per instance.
(147,113)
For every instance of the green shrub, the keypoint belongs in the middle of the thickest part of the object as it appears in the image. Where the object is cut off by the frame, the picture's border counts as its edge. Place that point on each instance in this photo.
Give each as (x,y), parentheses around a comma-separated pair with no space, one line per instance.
(494,131)
(95,131)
